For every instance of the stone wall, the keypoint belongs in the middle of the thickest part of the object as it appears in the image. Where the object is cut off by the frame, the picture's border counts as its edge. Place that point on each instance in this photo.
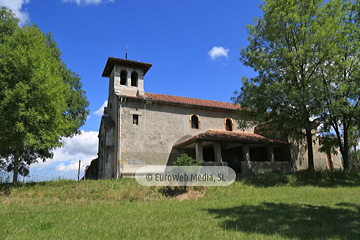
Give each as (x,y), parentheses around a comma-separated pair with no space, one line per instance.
(161,126)
(299,153)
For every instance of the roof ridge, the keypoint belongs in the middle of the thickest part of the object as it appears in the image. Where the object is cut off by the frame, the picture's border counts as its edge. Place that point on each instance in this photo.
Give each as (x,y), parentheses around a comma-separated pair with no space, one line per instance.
(230,131)
(190,98)
(130,60)
(222,135)
(112,61)
(191,101)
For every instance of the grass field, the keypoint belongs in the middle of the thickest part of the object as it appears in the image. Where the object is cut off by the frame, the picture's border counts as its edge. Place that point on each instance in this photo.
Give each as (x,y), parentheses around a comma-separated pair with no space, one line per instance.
(304,205)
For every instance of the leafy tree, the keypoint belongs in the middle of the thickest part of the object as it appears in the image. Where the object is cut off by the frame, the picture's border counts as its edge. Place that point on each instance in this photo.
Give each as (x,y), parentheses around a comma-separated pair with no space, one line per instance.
(41,101)
(340,85)
(290,46)
(8,23)
(283,51)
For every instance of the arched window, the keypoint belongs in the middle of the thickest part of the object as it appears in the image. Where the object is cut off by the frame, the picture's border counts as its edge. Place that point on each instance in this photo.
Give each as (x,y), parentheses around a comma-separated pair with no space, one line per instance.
(134,79)
(194,122)
(123,76)
(228,124)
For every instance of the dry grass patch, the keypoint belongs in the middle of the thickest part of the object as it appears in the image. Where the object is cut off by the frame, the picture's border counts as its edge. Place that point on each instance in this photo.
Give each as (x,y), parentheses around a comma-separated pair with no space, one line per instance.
(83,192)
(180,193)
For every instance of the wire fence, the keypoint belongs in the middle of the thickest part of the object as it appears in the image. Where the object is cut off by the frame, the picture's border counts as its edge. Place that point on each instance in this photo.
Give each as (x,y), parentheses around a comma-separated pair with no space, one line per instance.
(37,175)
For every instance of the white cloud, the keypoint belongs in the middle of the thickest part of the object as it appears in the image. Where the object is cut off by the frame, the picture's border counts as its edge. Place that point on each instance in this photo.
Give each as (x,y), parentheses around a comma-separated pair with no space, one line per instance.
(80,147)
(84,143)
(78,2)
(16,7)
(73,166)
(100,111)
(216,52)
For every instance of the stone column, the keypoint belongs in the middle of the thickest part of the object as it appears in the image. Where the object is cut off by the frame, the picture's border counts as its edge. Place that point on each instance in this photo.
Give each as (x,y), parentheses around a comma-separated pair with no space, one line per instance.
(199,152)
(246,153)
(270,152)
(217,152)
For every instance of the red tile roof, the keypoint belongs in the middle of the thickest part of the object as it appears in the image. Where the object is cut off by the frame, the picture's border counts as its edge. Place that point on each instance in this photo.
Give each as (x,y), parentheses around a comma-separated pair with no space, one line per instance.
(189,101)
(216,135)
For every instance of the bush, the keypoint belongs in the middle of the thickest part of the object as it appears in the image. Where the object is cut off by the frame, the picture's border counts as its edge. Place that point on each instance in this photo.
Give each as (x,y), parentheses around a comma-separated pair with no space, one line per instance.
(184,160)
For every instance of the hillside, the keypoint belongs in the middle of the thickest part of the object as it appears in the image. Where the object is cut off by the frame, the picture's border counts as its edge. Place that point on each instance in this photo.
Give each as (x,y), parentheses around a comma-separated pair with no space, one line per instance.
(321,205)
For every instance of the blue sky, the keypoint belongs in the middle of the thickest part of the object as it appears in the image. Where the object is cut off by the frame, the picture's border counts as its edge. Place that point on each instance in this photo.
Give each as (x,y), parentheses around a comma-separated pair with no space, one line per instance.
(194,47)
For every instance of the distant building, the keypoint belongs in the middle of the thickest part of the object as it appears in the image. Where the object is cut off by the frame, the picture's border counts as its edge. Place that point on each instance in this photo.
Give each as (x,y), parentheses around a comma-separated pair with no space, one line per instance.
(140,128)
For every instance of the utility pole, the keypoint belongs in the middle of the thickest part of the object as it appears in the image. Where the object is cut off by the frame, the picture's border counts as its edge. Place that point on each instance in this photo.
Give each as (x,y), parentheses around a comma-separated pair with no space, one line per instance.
(79,170)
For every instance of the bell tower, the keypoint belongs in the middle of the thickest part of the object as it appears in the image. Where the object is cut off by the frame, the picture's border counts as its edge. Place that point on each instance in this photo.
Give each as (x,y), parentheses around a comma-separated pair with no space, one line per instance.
(126,77)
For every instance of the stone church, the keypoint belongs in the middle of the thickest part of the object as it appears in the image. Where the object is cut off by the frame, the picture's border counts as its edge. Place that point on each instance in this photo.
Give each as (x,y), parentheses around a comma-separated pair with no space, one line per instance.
(140,128)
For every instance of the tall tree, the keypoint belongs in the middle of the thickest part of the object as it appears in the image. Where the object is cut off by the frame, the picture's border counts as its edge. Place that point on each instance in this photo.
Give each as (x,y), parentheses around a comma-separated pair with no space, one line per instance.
(340,80)
(41,100)
(288,45)
(8,23)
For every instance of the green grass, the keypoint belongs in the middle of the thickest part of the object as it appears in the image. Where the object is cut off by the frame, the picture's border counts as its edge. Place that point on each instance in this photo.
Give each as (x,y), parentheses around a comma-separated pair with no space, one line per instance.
(304,205)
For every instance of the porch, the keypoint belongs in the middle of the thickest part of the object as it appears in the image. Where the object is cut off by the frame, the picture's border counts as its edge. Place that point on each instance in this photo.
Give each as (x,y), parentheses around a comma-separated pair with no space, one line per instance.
(246,153)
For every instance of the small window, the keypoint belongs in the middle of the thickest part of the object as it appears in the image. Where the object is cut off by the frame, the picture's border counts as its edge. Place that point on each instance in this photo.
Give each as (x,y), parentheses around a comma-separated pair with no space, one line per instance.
(194,122)
(134,79)
(228,124)
(123,76)
(135,119)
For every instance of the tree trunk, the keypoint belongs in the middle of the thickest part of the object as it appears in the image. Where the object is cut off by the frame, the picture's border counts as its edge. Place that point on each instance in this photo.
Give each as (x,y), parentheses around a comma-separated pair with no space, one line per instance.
(356,155)
(341,145)
(345,154)
(16,165)
(310,149)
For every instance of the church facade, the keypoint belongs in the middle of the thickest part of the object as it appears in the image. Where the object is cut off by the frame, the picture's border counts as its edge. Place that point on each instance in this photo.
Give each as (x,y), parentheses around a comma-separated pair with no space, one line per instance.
(140,129)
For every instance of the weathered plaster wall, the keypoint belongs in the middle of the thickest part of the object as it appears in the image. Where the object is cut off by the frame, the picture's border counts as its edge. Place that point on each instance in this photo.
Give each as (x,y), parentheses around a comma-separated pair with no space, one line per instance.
(107,153)
(299,155)
(127,89)
(160,127)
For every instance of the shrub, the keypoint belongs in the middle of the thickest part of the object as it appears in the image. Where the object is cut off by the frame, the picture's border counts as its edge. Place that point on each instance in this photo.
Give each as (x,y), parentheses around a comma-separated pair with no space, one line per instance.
(184,160)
